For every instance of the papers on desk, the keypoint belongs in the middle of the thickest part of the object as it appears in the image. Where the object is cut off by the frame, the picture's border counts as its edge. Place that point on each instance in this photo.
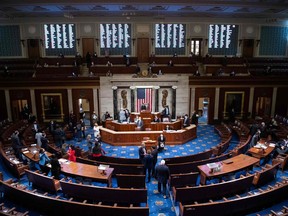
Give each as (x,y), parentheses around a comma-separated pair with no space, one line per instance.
(212,165)
(272,145)
(260,146)
(15,161)
(33,145)
(63,161)
(103,167)
(25,152)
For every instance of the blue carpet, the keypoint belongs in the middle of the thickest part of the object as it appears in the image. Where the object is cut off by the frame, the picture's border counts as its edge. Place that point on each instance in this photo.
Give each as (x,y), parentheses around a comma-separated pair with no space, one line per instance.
(206,138)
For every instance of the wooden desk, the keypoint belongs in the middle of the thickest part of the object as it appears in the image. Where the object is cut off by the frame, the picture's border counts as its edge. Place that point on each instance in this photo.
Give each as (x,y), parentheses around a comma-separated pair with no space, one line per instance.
(32,153)
(150,143)
(153,126)
(260,152)
(173,137)
(231,165)
(85,170)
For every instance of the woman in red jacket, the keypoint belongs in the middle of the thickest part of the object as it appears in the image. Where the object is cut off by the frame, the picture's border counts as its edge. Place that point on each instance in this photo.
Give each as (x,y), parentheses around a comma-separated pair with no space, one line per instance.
(71,153)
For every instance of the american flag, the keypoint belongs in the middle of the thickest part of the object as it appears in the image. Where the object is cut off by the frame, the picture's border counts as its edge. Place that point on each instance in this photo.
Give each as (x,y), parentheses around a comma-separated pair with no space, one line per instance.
(144,96)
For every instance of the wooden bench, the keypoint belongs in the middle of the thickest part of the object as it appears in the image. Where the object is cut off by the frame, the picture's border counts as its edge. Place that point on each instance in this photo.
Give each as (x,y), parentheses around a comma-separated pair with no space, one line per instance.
(135,169)
(283,212)
(240,205)
(267,174)
(103,194)
(44,182)
(184,179)
(189,167)
(189,158)
(60,206)
(119,160)
(242,147)
(4,210)
(16,167)
(130,181)
(188,195)
(283,159)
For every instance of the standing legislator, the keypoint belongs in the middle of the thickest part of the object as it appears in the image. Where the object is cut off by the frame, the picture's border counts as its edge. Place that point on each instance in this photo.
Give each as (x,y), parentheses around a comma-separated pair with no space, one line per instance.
(161,142)
(162,175)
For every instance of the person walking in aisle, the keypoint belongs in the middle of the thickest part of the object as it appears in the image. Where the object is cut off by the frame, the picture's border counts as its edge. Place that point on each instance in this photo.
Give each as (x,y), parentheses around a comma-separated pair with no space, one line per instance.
(162,175)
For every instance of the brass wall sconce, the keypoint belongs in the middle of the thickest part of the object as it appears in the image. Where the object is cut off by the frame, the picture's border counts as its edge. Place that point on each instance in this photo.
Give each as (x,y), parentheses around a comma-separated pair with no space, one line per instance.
(78,41)
(257,43)
(133,41)
(41,42)
(240,42)
(97,41)
(152,41)
(23,42)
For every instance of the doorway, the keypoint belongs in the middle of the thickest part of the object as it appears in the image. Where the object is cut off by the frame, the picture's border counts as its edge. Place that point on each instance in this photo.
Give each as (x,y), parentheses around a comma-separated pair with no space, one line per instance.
(203,111)
(196,46)
(33,48)
(17,109)
(88,46)
(84,110)
(263,106)
(143,50)
(248,48)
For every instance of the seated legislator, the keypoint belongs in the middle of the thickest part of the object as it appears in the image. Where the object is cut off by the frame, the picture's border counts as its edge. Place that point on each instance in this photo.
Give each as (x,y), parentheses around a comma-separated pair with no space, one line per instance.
(161,142)
(186,121)
(156,119)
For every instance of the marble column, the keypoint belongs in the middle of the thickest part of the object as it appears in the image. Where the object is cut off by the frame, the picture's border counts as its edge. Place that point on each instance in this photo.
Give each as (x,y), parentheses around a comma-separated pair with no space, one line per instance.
(8,104)
(174,102)
(132,88)
(156,98)
(115,102)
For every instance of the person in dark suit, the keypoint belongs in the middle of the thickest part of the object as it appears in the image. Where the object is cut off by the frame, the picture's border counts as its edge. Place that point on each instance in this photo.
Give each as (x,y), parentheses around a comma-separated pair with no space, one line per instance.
(194,118)
(55,167)
(83,128)
(139,123)
(255,139)
(52,127)
(148,164)
(162,175)
(186,121)
(142,152)
(161,142)
(154,154)
(44,141)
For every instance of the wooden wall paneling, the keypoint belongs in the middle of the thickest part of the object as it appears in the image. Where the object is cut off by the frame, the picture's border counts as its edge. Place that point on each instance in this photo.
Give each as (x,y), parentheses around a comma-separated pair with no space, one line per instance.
(262,92)
(209,93)
(23,94)
(143,49)
(281,101)
(3,107)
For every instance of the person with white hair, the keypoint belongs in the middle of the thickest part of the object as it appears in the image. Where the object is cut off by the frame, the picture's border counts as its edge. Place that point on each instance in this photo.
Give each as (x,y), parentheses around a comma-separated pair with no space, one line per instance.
(162,174)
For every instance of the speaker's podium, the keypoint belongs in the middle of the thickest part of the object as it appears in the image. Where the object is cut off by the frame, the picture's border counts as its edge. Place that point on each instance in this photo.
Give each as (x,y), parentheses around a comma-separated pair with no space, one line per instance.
(149,143)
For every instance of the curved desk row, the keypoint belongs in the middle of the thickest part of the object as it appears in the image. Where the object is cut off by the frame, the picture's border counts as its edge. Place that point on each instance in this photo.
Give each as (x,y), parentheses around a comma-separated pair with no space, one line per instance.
(173,137)
(148,125)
